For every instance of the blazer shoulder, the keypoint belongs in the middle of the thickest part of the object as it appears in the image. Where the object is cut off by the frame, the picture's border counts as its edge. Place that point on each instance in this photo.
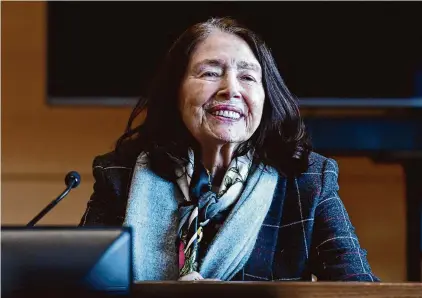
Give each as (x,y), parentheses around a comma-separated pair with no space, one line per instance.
(318,164)
(124,157)
(110,160)
(321,176)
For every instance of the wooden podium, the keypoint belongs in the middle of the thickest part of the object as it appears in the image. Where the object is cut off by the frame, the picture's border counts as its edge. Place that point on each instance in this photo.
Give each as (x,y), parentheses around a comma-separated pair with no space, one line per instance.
(213,289)
(210,289)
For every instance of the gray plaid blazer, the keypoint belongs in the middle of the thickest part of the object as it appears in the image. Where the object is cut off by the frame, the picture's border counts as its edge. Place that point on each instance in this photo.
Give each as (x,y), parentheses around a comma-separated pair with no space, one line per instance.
(307,230)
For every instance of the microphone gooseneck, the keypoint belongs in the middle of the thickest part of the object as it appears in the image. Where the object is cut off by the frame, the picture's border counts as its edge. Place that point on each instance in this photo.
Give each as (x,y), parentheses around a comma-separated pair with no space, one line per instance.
(72,180)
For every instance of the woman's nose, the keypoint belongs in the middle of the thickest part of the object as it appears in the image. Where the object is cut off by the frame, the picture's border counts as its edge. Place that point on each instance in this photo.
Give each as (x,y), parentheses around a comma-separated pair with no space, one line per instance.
(230,87)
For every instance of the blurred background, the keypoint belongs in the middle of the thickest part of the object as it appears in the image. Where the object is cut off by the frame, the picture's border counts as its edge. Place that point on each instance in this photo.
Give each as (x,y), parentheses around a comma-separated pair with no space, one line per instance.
(72,70)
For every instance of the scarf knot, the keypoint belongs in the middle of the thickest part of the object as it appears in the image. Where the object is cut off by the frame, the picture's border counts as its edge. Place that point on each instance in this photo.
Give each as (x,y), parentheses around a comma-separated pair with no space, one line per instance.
(206,209)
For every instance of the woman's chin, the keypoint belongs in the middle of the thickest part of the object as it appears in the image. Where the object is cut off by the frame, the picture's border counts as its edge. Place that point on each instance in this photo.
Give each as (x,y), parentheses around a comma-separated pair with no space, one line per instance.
(223,136)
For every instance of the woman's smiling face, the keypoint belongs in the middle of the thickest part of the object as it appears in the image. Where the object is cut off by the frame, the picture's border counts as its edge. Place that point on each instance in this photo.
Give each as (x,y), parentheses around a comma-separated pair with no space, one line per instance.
(222,97)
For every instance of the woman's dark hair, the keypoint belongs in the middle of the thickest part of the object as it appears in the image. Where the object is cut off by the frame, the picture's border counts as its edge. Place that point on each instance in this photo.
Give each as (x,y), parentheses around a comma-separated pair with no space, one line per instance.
(279,141)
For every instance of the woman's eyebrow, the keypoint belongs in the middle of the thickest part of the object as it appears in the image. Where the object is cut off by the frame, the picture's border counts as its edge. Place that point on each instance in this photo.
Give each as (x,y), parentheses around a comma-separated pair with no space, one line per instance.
(208,62)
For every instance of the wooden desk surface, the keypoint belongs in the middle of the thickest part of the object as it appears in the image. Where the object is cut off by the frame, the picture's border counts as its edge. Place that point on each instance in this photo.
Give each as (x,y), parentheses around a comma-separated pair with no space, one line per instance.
(276,289)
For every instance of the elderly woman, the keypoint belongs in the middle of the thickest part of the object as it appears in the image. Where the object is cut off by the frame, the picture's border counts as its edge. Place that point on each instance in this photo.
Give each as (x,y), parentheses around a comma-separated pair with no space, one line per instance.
(219,181)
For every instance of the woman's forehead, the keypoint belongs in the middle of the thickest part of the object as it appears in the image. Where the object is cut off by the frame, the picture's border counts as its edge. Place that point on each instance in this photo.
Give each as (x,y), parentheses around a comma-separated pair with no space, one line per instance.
(221,48)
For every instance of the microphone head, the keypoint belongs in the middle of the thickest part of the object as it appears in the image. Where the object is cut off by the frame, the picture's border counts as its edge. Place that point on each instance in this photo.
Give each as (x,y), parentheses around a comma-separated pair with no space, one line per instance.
(72,178)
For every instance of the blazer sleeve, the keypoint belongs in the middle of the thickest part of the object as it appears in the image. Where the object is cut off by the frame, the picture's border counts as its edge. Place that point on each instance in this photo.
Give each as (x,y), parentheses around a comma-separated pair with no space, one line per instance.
(97,210)
(335,245)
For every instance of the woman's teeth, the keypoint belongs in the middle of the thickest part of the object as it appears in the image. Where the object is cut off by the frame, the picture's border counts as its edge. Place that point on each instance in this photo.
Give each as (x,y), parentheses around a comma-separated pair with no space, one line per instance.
(226,114)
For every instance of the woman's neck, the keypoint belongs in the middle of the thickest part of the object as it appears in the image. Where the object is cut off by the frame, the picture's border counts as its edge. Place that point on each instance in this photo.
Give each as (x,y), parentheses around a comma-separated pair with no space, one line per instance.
(216,160)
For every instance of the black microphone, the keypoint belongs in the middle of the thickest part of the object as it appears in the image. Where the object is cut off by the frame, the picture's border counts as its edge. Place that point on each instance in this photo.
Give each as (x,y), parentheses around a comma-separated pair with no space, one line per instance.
(72,180)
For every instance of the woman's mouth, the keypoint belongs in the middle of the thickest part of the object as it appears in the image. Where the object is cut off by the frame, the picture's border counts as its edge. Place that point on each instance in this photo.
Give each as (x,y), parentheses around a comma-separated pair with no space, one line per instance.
(228,113)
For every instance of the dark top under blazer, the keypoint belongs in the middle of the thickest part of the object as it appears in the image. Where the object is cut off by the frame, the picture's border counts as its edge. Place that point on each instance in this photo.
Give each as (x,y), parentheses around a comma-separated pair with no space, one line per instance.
(306,231)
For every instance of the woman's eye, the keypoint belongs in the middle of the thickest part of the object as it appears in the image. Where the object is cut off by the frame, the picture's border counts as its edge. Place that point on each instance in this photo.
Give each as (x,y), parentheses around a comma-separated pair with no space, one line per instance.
(249,78)
(210,74)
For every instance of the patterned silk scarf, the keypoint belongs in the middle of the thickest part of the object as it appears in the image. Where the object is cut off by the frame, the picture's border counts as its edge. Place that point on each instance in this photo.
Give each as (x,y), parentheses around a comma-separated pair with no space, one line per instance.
(203,204)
